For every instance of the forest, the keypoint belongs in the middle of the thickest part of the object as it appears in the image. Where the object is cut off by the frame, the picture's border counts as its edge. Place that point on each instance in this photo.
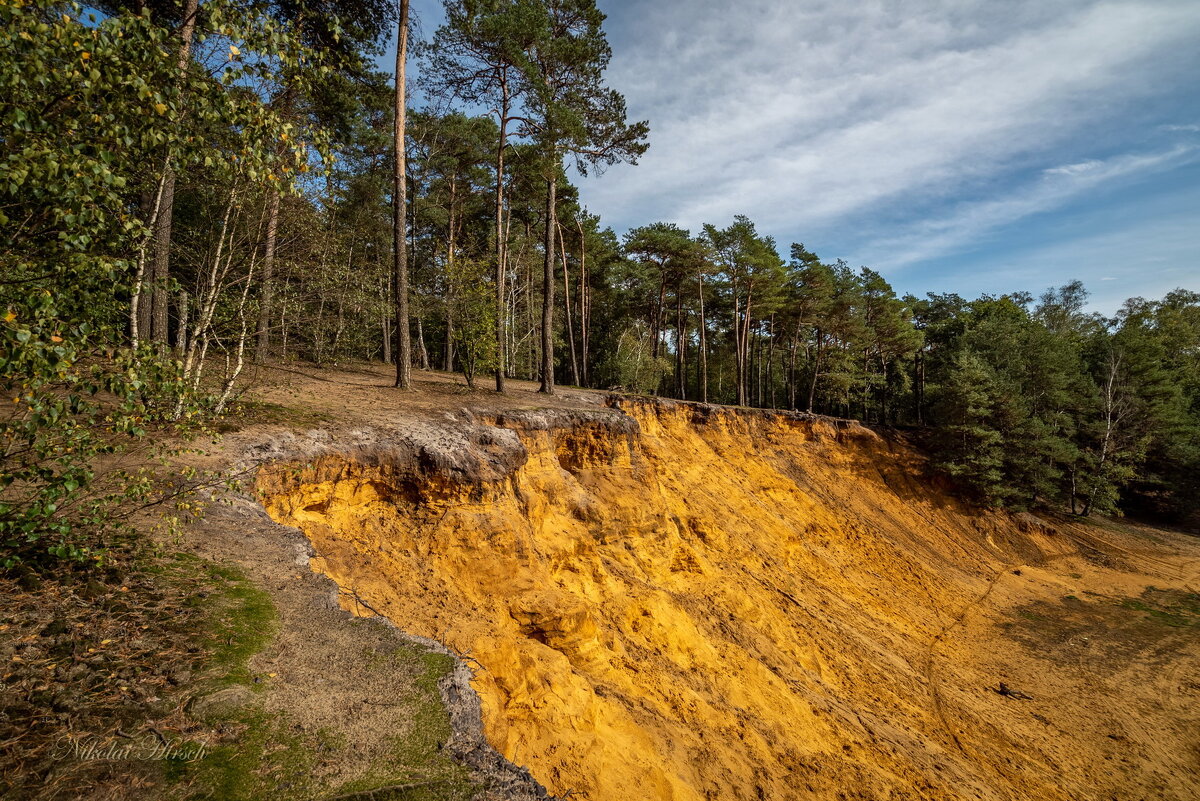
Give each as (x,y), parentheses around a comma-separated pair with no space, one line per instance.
(190,188)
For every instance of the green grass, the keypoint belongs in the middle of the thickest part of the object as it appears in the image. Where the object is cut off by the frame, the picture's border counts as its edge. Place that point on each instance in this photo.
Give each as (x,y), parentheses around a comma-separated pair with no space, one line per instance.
(416,761)
(242,626)
(1170,608)
(263,762)
(248,412)
(266,758)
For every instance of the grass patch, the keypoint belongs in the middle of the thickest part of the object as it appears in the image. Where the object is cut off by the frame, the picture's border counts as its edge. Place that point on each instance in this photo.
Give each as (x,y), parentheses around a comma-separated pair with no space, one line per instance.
(1169,607)
(416,767)
(263,756)
(240,629)
(243,413)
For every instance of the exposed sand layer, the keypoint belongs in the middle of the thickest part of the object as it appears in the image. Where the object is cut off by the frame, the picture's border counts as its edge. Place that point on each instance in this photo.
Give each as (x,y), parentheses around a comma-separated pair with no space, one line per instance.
(671,601)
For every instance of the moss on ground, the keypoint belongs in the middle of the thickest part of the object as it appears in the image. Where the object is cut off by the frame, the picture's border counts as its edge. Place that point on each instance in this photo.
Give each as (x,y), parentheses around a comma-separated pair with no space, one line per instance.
(268,759)
(1155,624)
(1169,607)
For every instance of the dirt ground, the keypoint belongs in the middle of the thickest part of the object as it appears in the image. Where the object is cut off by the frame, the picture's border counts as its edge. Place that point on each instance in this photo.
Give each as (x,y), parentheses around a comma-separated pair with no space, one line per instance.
(365,394)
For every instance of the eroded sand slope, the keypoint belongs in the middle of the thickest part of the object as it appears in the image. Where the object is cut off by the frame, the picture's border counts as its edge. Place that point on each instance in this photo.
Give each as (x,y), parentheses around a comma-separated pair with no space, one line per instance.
(670,601)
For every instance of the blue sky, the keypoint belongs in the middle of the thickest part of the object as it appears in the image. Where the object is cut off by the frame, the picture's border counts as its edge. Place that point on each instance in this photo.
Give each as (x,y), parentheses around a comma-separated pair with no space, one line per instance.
(955,146)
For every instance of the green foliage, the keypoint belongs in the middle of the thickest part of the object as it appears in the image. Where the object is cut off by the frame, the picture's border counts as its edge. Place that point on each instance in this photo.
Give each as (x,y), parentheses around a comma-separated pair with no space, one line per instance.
(632,365)
(1156,347)
(474,315)
(80,106)
(968,446)
(87,105)
(1058,407)
(62,412)
(568,108)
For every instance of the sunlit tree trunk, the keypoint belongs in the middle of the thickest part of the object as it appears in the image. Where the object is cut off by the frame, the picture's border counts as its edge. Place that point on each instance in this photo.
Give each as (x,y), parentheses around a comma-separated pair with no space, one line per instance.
(268,281)
(680,339)
(161,273)
(585,315)
(399,213)
(501,245)
(567,303)
(547,372)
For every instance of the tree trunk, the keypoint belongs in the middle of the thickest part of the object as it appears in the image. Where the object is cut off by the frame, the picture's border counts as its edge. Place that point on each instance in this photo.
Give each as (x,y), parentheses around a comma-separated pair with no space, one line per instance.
(745,359)
(161,275)
(656,323)
(421,350)
(263,332)
(680,364)
(451,242)
(742,325)
(737,348)
(385,322)
(584,311)
(399,213)
(919,385)
(340,328)
(1110,422)
(283,327)
(268,282)
(703,343)
(793,346)
(548,290)
(771,361)
(232,377)
(531,357)
(139,302)
(193,363)
(181,331)
(501,245)
(755,370)
(812,387)
(567,303)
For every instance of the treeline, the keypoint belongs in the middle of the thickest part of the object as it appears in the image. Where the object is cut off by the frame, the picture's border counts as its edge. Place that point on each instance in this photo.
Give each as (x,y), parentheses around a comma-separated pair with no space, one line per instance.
(191,186)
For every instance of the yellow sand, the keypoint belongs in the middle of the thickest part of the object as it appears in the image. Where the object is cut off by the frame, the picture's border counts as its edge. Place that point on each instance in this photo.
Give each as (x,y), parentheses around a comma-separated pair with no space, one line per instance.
(725,606)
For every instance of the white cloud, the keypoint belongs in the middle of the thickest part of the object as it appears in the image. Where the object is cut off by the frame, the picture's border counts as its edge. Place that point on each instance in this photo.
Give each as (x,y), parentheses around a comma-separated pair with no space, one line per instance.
(819,115)
(1073,169)
(971,221)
